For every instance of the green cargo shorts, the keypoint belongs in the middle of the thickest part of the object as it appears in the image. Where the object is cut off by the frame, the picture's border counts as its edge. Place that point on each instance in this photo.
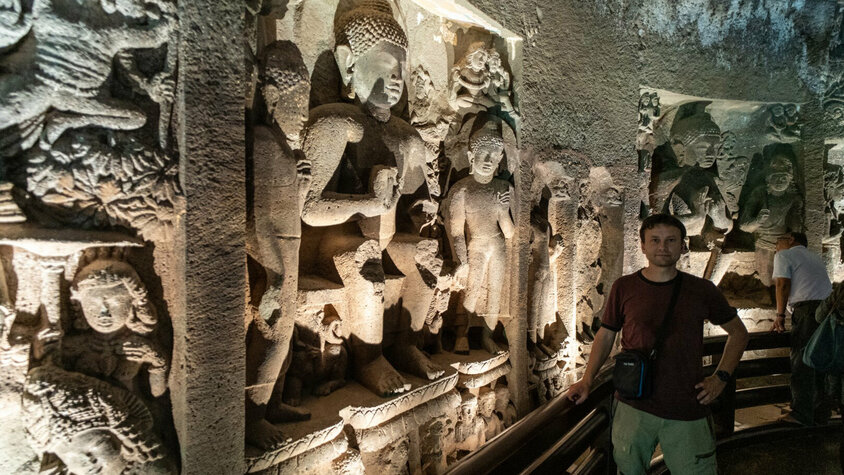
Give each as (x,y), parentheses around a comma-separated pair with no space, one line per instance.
(688,447)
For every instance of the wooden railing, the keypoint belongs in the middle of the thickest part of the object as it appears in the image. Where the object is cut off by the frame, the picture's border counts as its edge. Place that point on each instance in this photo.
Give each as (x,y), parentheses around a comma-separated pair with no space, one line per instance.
(561,437)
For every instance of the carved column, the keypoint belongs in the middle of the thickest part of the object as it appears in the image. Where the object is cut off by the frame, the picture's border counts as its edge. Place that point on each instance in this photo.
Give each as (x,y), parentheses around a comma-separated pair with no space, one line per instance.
(207,380)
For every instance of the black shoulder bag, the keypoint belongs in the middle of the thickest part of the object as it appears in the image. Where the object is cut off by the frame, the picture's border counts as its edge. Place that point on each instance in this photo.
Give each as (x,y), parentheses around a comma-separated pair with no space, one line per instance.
(633,374)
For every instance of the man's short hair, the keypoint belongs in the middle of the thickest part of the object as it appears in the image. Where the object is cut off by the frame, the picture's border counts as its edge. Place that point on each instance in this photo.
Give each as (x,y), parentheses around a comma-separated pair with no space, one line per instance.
(799,237)
(661,218)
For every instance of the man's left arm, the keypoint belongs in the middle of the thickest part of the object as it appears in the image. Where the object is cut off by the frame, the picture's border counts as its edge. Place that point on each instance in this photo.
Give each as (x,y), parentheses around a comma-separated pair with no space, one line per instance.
(711,386)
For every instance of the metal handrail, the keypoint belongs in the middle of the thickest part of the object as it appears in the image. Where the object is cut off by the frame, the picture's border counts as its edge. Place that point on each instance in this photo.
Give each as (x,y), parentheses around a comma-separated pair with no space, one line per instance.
(554,436)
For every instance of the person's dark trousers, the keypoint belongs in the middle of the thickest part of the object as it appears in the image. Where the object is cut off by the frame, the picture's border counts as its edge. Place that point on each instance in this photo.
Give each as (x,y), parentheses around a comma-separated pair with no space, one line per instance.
(807,385)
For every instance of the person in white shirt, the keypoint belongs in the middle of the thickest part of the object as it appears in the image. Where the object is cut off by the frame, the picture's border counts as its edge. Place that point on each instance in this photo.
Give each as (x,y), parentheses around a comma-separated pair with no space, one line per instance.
(801,284)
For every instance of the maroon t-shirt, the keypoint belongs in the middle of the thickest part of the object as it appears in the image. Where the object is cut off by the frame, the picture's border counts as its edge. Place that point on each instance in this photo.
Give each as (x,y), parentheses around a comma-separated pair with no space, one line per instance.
(637,306)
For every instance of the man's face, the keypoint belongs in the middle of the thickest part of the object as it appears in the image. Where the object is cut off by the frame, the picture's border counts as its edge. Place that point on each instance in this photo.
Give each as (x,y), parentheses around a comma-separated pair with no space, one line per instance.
(662,245)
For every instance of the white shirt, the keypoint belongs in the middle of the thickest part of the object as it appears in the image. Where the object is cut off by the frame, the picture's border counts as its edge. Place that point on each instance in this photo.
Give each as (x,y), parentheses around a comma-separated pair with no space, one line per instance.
(809,280)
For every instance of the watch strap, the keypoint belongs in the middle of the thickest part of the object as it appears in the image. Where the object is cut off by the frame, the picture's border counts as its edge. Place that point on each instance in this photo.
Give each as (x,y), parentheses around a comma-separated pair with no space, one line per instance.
(723,375)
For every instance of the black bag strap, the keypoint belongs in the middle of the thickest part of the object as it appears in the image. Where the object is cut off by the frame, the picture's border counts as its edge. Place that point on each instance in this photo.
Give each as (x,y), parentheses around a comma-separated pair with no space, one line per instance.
(660,336)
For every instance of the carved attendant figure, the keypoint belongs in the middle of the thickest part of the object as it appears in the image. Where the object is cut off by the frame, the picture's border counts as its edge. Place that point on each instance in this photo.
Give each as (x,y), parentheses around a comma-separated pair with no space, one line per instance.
(479,212)
(543,295)
(384,152)
(772,209)
(113,302)
(690,192)
(280,180)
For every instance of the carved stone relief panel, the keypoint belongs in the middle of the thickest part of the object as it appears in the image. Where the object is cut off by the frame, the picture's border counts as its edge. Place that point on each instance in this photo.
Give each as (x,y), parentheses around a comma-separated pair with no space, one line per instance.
(89,169)
(373,147)
(730,171)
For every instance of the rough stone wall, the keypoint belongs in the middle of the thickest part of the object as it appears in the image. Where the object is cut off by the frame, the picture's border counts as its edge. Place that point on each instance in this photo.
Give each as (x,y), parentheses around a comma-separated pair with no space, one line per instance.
(209,340)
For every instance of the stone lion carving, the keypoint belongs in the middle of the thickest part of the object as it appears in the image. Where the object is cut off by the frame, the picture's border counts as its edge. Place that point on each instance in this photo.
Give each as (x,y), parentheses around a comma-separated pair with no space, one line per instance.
(67,58)
(118,343)
(90,426)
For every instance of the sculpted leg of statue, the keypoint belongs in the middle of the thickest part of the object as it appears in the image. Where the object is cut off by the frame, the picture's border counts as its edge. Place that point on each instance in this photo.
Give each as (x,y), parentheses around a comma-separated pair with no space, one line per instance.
(381,150)
(417,259)
(280,179)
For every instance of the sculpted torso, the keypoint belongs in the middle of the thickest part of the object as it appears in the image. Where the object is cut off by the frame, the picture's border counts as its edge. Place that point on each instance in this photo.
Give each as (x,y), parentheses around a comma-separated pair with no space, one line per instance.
(360,165)
(482,207)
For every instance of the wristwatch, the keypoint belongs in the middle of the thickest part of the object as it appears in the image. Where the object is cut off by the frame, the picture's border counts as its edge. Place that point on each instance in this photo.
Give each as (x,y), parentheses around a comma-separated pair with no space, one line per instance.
(781,315)
(723,375)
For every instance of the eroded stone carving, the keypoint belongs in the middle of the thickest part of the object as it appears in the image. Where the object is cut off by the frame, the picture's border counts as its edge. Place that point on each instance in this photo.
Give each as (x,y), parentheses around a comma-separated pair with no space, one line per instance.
(280,181)
(834,201)
(479,224)
(545,249)
(118,323)
(479,81)
(732,173)
(772,208)
(783,123)
(93,179)
(689,190)
(90,426)
(386,158)
(71,60)
(469,433)
(833,102)
(649,110)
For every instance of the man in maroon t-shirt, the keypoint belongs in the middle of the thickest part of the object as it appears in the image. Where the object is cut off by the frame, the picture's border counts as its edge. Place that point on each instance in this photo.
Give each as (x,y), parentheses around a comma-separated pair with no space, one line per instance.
(676,414)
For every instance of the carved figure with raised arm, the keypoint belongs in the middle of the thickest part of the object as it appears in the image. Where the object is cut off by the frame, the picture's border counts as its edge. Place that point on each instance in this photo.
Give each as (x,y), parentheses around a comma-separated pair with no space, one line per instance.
(772,209)
(377,158)
(690,192)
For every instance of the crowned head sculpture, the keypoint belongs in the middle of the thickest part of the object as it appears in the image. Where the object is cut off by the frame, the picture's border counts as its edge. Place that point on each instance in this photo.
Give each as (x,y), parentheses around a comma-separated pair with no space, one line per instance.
(696,139)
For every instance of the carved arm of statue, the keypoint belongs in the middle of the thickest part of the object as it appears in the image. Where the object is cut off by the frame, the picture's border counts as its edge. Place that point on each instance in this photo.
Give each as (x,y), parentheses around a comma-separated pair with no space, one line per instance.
(139,349)
(754,213)
(325,141)
(455,225)
(505,221)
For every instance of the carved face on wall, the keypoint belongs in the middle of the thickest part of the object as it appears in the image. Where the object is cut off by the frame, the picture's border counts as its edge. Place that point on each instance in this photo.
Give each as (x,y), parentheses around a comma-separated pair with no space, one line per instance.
(703,151)
(376,76)
(484,157)
(110,296)
(696,140)
(780,174)
(106,307)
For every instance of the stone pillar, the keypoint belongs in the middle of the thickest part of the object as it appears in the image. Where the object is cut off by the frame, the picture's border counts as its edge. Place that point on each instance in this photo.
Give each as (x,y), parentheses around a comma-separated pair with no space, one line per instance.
(207,380)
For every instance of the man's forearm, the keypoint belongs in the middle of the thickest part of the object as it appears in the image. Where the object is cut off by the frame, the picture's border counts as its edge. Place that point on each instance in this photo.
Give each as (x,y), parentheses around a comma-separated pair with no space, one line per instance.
(782,291)
(601,348)
(737,338)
